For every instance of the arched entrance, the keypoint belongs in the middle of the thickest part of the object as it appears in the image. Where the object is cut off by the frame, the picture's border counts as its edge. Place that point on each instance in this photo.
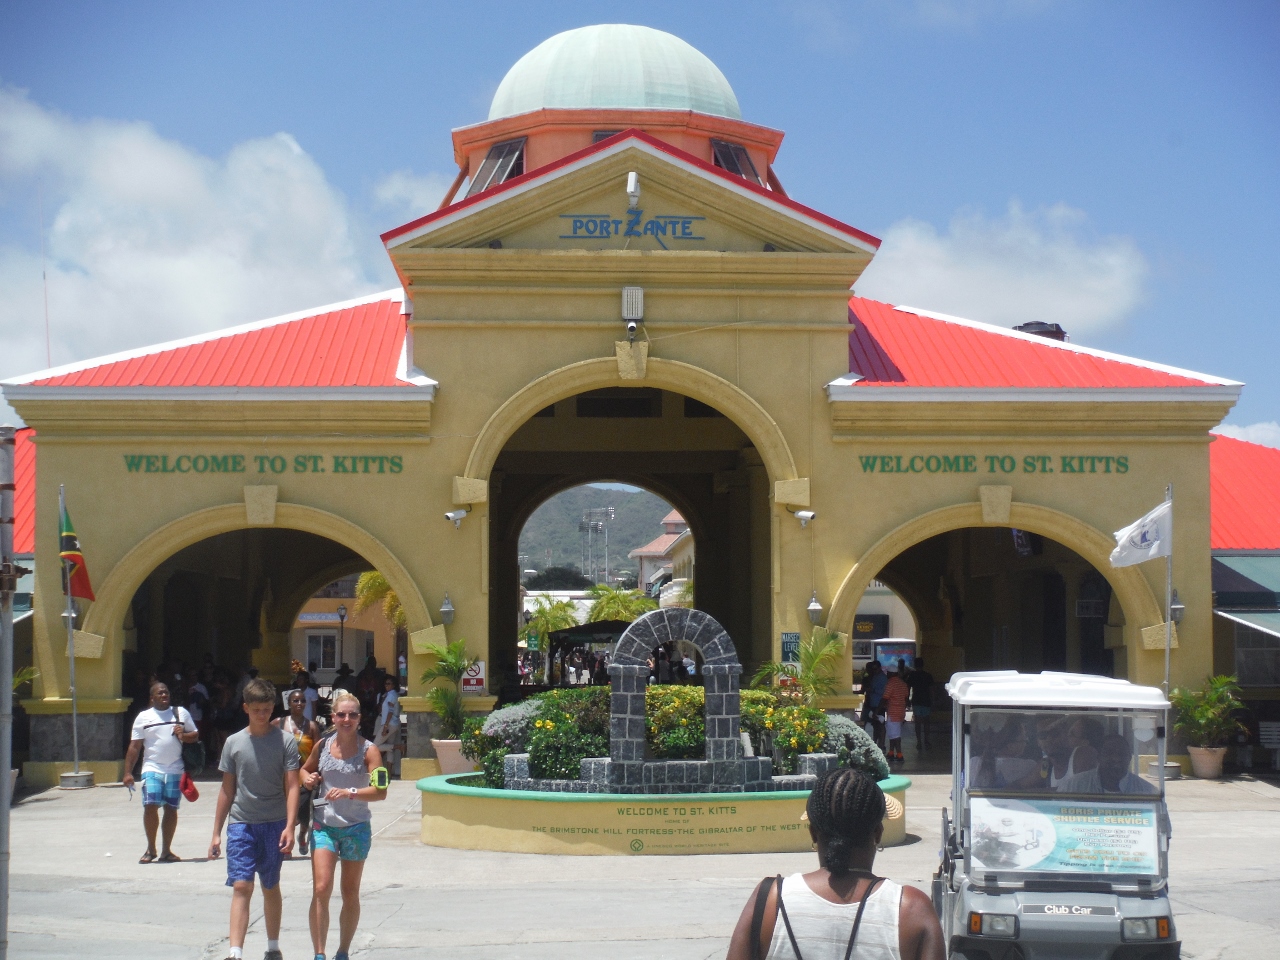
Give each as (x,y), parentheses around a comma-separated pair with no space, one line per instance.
(111,615)
(1036,593)
(678,446)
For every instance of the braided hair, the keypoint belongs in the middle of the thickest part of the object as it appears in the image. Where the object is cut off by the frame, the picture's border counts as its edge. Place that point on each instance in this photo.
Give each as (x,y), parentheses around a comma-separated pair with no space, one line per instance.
(844,809)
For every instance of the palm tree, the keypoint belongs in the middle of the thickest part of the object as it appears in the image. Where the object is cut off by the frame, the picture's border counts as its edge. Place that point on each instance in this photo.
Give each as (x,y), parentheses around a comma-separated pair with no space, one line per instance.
(452,663)
(617,603)
(548,615)
(814,674)
(371,588)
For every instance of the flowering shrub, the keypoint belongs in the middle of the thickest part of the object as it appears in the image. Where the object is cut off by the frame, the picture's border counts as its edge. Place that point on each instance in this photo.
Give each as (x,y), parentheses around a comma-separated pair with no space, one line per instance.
(796,730)
(847,740)
(757,708)
(488,741)
(674,721)
(558,745)
(571,725)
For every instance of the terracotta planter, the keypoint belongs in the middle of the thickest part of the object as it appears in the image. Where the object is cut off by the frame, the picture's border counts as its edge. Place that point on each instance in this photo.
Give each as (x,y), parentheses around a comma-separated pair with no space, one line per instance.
(449,753)
(1206,762)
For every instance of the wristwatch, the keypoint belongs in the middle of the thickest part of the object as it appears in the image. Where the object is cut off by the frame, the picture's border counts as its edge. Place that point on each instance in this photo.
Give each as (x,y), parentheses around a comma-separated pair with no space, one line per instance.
(352,791)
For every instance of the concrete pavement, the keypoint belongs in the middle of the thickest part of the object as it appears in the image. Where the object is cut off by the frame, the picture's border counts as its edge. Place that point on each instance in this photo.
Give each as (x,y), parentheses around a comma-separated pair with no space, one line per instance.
(78,891)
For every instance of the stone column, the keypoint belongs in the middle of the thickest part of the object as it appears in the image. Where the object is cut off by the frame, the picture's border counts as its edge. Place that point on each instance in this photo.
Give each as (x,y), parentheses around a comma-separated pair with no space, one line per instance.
(724,745)
(626,726)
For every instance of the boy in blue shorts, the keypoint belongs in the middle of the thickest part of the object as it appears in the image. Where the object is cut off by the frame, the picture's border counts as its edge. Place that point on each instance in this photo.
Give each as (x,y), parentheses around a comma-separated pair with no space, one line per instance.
(260,794)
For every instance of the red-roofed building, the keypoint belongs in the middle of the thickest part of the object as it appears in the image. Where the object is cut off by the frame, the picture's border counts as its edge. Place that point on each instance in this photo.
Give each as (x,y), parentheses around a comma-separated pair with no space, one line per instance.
(655,556)
(618,288)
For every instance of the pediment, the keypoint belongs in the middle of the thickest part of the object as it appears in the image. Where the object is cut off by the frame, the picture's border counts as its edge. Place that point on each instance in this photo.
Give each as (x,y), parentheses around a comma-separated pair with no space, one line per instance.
(583,205)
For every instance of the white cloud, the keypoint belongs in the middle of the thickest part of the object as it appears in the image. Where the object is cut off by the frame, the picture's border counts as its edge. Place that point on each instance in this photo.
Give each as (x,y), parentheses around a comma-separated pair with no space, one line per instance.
(409,195)
(1266,432)
(149,240)
(1039,265)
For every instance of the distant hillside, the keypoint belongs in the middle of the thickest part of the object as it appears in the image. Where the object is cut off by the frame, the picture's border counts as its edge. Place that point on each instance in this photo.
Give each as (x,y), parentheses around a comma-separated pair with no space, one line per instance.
(554,527)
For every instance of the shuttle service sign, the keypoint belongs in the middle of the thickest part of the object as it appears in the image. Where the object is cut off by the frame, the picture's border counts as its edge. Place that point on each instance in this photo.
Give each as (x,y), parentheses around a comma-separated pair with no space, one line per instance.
(1064,836)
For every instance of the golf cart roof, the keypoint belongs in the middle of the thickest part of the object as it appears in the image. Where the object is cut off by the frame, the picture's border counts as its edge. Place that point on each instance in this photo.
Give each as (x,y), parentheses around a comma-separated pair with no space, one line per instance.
(1008,688)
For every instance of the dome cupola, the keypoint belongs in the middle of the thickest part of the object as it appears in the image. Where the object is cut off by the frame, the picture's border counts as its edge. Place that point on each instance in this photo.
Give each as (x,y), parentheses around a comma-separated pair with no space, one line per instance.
(614,66)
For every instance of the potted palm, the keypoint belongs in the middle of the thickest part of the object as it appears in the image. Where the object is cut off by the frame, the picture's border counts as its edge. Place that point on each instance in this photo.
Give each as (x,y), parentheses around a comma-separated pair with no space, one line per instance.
(814,675)
(445,698)
(1205,718)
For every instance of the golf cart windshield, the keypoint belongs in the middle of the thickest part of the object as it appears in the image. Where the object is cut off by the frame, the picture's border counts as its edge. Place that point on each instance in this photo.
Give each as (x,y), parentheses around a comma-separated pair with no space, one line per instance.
(1082,753)
(1060,791)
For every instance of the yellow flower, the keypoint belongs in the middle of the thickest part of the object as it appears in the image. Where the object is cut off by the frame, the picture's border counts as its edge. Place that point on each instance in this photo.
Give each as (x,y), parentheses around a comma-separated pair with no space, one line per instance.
(538,724)
(793,741)
(769,724)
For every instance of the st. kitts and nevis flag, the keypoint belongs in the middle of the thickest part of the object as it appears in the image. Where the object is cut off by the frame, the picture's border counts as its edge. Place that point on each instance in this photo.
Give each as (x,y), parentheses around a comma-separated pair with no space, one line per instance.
(75,575)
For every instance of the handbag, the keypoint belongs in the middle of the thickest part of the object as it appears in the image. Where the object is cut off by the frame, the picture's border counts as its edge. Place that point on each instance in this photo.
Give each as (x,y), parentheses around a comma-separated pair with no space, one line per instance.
(187,787)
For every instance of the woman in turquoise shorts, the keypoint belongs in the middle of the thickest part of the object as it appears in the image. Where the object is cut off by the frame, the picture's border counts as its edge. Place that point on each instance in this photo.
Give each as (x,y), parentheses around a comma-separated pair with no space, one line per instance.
(342,773)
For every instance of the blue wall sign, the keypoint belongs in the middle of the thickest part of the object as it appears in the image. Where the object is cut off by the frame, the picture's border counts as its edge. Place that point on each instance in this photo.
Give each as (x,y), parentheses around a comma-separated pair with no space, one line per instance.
(662,226)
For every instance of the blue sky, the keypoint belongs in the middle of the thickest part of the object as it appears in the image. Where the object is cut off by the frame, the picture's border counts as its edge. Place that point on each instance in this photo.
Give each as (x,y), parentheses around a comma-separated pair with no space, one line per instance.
(1114,167)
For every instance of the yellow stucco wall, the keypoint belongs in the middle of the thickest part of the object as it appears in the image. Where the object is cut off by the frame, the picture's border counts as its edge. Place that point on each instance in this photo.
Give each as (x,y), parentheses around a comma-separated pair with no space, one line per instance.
(509,331)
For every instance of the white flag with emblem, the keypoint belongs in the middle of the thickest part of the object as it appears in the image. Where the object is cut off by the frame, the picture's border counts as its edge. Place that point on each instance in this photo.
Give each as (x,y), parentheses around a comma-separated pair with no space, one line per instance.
(1148,538)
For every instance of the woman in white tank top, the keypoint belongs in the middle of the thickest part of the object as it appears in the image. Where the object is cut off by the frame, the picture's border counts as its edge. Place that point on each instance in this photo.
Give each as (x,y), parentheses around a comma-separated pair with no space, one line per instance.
(841,911)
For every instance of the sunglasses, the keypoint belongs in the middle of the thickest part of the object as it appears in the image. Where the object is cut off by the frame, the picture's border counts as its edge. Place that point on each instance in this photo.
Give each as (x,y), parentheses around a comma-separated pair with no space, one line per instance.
(347,716)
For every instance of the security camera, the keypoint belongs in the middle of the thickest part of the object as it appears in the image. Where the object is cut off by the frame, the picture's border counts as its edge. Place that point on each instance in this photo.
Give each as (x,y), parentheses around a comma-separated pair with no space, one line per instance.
(804,516)
(456,516)
(631,329)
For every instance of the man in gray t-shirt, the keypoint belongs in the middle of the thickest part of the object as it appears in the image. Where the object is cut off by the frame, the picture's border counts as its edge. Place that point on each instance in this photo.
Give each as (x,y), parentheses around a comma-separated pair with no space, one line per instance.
(260,794)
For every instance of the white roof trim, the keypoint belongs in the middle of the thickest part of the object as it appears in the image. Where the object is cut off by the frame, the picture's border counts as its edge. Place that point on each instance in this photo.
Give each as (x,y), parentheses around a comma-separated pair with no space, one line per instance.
(1004,688)
(844,389)
(1070,347)
(630,143)
(425,391)
(396,294)
(1246,623)
(411,373)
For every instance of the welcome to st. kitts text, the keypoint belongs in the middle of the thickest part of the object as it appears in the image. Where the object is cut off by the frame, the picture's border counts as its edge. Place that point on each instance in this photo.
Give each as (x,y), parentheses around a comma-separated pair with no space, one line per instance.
(991,463)
(263,463)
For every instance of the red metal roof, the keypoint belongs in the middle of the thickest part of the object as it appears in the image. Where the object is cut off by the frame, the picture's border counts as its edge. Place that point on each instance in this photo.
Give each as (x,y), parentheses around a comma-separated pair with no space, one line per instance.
(897,347)
(609,144)
(658,547)
(24,496)
(358,344)
(1244,495)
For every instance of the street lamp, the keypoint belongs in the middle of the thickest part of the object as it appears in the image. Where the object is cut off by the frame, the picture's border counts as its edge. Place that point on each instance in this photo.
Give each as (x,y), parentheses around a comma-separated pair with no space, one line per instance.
(342,624)
(1177,609)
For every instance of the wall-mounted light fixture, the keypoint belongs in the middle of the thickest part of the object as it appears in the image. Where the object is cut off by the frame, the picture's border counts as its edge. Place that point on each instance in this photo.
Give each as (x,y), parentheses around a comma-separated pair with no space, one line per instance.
(633,190)
(457,516)
(446,610)
(1177,609)
(815,609)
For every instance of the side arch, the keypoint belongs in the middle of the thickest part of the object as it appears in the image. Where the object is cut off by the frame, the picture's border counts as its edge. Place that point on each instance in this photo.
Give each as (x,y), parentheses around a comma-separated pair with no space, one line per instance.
(1139,603)
(106,615)
(683,378)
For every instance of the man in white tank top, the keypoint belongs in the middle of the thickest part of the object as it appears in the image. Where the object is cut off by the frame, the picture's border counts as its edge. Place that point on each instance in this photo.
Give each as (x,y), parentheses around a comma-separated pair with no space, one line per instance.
(842,903)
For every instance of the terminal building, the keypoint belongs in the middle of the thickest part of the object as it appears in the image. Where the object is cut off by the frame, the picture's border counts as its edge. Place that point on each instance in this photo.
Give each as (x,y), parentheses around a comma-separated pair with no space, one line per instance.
(618,287)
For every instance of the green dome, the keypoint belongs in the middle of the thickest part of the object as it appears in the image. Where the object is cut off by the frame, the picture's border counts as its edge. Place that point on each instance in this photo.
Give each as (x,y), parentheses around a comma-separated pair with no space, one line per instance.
(614,65)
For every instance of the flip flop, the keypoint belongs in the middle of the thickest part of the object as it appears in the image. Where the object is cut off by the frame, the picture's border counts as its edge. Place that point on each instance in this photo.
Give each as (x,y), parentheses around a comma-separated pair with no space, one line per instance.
(147,858)
(170,857)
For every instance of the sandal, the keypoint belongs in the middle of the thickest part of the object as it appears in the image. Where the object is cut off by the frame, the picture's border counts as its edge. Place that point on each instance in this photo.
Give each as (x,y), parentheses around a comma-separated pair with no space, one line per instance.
(170,857)
(147,858)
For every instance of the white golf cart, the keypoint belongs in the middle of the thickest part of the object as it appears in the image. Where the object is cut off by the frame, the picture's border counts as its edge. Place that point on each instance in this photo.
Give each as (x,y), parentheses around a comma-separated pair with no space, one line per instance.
(1059,846)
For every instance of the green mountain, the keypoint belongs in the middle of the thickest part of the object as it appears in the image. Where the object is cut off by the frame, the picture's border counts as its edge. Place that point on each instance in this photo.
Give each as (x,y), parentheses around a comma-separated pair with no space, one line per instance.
(637,519)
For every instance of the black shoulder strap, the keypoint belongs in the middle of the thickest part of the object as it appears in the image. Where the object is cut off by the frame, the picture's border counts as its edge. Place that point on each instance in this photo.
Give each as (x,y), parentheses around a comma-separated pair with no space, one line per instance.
(757,915)
(857,920)
(782,909)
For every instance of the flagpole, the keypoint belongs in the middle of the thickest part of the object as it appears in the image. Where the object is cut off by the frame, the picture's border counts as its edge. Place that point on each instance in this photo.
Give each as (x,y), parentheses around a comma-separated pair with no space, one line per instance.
(71,638)
(1168,591)
(8,583)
